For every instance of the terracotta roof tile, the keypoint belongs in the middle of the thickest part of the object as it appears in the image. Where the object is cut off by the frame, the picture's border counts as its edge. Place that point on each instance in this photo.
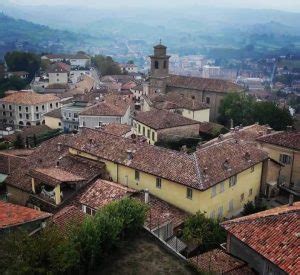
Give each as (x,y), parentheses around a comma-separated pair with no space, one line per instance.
(272,233)
(28,98)
(285,139)
(103,192)
(218,262)
(55,113)
(203,84)
(14,215)
(161,119)
(117,129)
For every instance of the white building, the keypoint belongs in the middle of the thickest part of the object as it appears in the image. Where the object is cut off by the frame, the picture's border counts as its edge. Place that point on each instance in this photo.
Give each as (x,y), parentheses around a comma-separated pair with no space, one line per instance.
(59,73)
(26,108)
(76,60)
(211,71)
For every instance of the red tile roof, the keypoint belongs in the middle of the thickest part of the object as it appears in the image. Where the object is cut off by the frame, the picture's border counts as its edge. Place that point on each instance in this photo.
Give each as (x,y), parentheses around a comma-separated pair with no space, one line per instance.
(59,67)
(289,139)
(274,233)
(161,212)
(8,162)
(103,192)
(218,262)
(199,170)
(68,217)
(28,98)
(117,129)
(203,84)
(14,215)
(161,119)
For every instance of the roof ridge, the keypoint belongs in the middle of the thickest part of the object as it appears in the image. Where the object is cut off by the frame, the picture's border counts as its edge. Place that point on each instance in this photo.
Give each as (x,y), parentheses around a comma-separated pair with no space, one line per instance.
(198,172)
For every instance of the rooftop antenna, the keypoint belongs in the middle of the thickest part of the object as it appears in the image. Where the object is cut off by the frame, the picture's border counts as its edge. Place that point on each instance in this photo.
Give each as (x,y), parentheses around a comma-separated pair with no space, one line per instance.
(159,41)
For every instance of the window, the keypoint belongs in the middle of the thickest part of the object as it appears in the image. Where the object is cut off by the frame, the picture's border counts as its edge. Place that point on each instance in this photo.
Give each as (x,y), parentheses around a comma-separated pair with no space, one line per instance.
(27,116)
(20,115)
(144,131)
(37,108)
(222,187)
(214,191)
(83,123)
(148,133)
(220,212)
(90,211)
(20,108)
(230,206)
(156,64)
(285,159)
(10,114)
(51,105)
(3,106)
(26,109)
(37,116)
(139,128)
(158,183)
(75,115)
(137,175)
(43,107)
(208,100)
(9,106)
(242,196)
(252,169)
(70,115)
(59,123)
(4,113)
(232,181)
(153,136)
(56,104)
(189,193)
(57,74)
(250,192)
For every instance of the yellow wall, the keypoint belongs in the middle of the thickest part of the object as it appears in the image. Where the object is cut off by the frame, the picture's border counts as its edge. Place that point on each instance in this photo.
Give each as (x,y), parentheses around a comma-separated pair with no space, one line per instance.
(289,169)
(149,140)
(53,123)
(199,115)
(175,193)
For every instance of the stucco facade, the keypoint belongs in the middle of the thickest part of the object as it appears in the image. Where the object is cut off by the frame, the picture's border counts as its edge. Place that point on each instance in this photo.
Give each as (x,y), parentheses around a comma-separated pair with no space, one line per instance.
(227,201)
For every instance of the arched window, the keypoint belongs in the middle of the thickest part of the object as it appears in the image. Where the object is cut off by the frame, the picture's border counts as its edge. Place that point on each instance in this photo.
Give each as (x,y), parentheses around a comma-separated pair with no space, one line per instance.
(21,123)
(156,64)
(28,123)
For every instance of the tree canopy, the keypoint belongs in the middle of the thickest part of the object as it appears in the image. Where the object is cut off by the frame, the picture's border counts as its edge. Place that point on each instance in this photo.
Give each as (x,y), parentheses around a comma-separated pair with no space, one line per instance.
(12,83)
(243,109)
(106,65)
(23,61)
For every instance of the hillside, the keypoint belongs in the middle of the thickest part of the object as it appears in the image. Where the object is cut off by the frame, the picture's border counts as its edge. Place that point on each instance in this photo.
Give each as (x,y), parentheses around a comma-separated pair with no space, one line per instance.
(17,34)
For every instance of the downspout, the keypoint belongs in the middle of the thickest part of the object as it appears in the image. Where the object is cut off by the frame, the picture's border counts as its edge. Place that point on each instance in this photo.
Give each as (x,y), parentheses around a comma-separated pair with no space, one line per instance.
(291,174)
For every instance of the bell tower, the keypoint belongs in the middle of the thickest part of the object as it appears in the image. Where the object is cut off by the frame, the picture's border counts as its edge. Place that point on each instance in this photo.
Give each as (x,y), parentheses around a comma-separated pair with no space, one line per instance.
(159,72)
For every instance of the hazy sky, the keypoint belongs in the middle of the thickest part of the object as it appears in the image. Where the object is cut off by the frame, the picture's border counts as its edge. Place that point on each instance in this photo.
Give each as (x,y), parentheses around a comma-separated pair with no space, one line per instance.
(289,5)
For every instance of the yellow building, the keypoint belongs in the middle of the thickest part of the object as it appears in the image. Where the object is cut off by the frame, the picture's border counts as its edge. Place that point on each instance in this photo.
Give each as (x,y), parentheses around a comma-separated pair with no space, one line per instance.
(284,147)
(53,119)
(158,125)
(189,107)
(218,179)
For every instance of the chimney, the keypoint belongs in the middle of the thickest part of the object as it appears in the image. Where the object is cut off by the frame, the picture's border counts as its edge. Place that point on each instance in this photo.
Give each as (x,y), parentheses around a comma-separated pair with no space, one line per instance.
(226,164)
(269,130)
(247,155)
(205,172)
(146,196)
(291,200)
(59,147)
(129,154)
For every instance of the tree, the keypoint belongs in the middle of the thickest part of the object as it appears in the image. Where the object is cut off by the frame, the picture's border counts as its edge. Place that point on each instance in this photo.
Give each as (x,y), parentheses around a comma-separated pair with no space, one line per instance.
(203,232)
(242,109)
(106,65)
(250,208)
(238,107)
(22,61)
(12,83)
(48,252)
(19,142)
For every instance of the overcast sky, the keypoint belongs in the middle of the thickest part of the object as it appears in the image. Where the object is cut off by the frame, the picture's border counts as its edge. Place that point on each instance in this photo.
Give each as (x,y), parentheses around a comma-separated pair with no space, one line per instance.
(288,5)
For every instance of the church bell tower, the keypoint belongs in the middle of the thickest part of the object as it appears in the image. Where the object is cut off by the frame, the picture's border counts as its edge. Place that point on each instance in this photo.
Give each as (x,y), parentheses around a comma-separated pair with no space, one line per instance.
(159,72)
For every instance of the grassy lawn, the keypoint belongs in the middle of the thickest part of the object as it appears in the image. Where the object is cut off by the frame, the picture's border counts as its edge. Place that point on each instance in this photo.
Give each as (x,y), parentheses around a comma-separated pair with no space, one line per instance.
(143,256)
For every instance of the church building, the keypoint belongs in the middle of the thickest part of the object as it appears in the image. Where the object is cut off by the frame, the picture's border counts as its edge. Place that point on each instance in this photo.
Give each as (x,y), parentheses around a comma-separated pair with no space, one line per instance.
(208,91)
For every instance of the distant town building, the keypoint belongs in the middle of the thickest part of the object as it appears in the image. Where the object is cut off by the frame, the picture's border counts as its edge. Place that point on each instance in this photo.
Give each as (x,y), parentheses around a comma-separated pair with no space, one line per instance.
(26,108)
(20,74)
(77,60)
(59,73)
(211,71)
(128,68)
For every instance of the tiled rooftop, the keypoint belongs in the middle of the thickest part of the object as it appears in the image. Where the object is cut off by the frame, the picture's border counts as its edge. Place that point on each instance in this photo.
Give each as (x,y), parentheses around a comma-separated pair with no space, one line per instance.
(55,113)
(28,98)
(218,262)
(14,215)
(203,84)
(288,139)
(117,129)
(103,192)
(176,100)
(161,119)
(198,170)
(273,233)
